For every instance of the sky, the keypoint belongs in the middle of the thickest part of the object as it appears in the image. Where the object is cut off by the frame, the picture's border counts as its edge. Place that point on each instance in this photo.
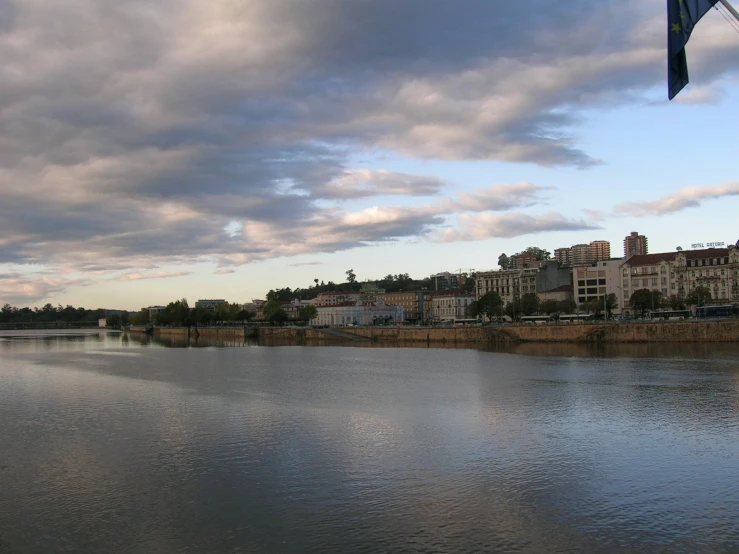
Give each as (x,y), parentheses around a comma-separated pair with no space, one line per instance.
(157,149)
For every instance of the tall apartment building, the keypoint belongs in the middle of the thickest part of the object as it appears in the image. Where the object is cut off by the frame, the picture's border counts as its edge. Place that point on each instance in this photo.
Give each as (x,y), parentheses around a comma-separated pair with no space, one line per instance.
(580,254)
(677,273)
(563,256)
(635,245)
(209,304)
(600,250)
(521,261)
(510,284)
(447,281)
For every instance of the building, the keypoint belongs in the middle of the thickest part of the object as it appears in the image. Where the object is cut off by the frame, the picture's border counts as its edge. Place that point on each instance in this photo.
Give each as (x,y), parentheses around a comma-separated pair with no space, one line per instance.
(357,313)
(580,254)
(447,281)
(412,303)
(600,250)
(552,275)
(336,298)
(563,256)
(559,294)
(635,245)
(102,323)
(506,282)
(598,280)
(369,291)
(209,304)
(153,312)
(521,261)
(452,305)
(678,273)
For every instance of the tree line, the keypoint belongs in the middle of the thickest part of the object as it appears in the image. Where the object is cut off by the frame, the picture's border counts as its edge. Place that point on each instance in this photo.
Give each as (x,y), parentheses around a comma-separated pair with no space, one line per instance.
(49,314)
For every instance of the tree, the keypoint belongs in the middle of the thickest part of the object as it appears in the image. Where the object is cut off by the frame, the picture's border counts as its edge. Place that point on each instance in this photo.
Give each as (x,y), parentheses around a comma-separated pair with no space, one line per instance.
(244,315)
(676,302)
(504,262)
(698,296)
(539,253)
(306,313)
(281,295)
(315,281)
(513,309)
(350,276)
(611,304)
(529,303)
(643,300)
(490,305)
(113,321)
(273,313)
(566,306)
(141,317)
(549,307)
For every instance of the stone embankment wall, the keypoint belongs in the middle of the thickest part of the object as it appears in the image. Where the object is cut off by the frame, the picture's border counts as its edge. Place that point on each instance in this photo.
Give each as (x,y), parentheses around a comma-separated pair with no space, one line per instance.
(686,332)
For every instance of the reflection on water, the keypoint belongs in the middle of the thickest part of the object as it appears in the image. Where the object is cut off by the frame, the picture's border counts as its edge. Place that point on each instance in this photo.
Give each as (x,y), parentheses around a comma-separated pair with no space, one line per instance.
(116,444)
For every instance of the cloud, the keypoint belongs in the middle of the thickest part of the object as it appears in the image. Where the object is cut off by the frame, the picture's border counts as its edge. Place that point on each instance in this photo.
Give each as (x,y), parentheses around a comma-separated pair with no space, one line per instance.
(159,275)
(23,289)
(363,183)
(224,271)
(301,264)
(490,225)
(689,197)
(179,131)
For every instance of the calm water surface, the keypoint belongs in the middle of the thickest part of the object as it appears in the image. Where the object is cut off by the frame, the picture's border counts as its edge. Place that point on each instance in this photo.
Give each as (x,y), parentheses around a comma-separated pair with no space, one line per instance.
(111,445)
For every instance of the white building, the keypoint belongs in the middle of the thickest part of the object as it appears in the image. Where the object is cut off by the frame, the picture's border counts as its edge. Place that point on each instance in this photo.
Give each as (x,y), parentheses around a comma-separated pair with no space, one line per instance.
(357,313)
(678,273)
(595,281)
(451,305)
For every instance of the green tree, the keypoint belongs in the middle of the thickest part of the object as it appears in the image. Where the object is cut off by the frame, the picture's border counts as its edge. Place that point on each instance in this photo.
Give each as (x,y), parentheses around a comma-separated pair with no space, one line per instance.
(643,300)
(113,321)
(676,302)
(611,304)
(513,309)
(281,295)
(539,253)
(549,307)
(306,313)
(351,276)
(273,313)
(529,303)
(566,306)
(244,315)
(490,305)
(504,262)
(698,296)
(141,317)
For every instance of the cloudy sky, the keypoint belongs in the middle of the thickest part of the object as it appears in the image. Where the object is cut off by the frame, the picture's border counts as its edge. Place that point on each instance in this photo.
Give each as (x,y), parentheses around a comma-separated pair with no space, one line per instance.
(155,149)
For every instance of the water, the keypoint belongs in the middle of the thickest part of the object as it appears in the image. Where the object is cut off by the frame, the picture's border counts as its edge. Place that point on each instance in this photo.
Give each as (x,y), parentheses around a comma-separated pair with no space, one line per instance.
(113,445)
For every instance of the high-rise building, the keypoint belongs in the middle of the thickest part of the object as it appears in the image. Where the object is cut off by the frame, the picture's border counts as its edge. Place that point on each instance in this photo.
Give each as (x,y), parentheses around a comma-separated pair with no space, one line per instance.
(635,245)
(600,250)
(448,281)
(521,261)
(563,256)
(580,254)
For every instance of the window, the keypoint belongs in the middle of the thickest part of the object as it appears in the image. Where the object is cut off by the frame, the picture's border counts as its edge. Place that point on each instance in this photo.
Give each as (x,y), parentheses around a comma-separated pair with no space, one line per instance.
(663,269)
(601,281)
(654,282)
(592,282)
(645,283)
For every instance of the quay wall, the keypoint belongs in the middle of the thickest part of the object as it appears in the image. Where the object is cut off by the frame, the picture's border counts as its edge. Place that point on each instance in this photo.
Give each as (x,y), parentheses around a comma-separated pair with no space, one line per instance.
(726,331)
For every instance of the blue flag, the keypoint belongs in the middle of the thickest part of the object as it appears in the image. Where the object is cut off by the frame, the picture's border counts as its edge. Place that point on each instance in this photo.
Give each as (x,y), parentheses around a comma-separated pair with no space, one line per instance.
(682,15)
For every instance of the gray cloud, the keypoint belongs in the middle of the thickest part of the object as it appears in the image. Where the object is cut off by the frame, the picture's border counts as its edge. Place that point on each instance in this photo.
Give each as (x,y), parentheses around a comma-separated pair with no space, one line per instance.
(137,276)
(133,133)
(224,271)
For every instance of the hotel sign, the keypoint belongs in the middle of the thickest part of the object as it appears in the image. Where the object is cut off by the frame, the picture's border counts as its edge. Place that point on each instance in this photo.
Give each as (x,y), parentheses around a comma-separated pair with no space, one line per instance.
(708,245)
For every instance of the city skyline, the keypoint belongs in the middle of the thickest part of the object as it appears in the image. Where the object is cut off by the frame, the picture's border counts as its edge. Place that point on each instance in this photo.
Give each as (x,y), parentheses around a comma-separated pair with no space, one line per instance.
(226,151)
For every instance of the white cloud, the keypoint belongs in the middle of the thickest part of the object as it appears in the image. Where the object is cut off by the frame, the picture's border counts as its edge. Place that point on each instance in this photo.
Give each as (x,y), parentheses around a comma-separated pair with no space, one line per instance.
(490,225)
(689,197)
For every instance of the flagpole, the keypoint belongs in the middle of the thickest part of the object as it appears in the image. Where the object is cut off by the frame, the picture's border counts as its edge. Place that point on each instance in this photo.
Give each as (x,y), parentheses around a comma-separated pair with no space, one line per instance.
(730,8)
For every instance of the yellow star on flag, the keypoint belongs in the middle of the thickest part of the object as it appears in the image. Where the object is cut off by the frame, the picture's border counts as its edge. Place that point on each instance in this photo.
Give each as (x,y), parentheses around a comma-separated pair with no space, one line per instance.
(676,27)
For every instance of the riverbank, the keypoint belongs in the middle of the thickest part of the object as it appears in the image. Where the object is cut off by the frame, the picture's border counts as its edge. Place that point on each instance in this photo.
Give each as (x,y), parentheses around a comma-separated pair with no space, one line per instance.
(726,331)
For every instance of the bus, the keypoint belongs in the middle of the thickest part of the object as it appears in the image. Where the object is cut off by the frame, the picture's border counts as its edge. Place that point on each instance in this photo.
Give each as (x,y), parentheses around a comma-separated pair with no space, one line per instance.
(537,319)
(569,318)
(717,311)
(670,314)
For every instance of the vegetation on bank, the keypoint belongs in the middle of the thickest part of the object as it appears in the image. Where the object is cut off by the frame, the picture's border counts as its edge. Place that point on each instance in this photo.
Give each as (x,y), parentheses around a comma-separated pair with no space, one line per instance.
(50,314)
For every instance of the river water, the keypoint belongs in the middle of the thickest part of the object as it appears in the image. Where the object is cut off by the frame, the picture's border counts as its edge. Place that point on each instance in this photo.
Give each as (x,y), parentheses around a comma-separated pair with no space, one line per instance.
(113,445)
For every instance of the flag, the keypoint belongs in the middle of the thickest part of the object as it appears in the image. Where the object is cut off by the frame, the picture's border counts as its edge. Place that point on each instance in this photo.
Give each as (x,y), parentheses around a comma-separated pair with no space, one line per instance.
(682,16)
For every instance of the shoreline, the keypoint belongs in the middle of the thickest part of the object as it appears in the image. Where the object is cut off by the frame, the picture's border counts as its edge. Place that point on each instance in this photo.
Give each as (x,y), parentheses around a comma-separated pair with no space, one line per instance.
(713,331)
